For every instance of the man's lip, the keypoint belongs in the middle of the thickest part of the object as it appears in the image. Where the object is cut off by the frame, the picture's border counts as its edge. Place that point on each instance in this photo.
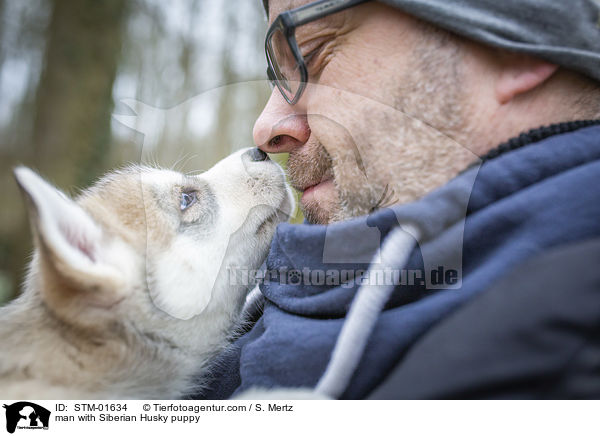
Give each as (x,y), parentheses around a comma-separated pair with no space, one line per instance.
(310,187)
(309,192)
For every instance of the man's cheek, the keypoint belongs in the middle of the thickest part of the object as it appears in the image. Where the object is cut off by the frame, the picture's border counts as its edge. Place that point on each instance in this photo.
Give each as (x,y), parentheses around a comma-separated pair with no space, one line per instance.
(350,72)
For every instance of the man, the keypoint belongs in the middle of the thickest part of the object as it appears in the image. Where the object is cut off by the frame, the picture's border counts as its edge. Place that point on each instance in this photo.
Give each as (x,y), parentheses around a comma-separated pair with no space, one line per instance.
(413,112)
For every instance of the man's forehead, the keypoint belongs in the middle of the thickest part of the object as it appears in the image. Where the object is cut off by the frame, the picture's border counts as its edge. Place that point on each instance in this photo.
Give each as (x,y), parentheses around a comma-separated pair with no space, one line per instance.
(275,7)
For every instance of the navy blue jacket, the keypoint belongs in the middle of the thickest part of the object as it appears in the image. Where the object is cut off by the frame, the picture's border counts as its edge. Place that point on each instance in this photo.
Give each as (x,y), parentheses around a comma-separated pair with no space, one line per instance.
(530,196)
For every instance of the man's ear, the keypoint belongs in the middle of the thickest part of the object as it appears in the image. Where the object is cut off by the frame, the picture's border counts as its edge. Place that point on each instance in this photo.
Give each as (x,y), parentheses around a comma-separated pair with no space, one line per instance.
(521,73)
(69,245)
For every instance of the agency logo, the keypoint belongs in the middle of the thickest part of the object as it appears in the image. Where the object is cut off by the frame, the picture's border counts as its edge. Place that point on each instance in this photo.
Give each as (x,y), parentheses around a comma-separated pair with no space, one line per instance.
(26,415)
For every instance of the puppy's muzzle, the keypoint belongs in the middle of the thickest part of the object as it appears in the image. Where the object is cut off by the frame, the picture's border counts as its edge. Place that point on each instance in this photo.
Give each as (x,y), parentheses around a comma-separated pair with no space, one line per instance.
(257,155)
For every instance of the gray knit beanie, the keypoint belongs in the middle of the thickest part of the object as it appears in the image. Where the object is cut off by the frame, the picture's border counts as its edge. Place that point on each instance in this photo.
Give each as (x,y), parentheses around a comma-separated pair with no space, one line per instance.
(563,32)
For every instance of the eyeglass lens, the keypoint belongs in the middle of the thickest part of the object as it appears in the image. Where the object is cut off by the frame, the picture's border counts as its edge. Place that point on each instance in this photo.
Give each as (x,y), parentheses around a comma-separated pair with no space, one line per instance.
(285,67)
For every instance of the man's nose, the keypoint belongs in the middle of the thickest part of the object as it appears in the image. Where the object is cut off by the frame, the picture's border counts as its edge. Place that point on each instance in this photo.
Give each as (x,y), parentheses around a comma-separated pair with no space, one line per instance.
(281,127)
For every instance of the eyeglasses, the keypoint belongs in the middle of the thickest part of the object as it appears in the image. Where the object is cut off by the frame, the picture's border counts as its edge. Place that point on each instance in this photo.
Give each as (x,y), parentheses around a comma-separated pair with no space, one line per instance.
(286,67)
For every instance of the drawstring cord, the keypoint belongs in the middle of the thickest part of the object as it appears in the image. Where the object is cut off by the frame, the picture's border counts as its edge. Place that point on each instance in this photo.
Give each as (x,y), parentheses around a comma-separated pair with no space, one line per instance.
(363,314)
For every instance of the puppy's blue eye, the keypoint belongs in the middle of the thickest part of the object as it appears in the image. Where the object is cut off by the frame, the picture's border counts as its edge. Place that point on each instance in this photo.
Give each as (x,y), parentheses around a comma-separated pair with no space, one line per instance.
(187,199)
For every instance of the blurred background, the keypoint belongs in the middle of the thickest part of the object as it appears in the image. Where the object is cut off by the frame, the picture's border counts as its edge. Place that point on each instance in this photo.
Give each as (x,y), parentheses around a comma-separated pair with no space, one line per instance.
(88,85)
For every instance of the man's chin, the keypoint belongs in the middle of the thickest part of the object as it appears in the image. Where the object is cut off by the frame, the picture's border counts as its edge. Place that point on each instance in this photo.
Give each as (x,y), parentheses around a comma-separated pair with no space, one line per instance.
(315,214)
(320,203)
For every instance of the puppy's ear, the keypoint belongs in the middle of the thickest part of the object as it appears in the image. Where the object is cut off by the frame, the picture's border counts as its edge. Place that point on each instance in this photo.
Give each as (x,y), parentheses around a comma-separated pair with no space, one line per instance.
(70,247)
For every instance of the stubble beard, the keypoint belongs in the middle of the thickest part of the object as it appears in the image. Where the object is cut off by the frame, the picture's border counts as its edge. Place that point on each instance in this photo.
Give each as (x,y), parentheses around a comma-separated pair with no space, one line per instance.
(307,166)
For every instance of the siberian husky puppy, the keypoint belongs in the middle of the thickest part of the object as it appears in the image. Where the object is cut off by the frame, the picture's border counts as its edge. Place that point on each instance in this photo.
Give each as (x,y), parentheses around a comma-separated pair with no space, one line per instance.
(128,294)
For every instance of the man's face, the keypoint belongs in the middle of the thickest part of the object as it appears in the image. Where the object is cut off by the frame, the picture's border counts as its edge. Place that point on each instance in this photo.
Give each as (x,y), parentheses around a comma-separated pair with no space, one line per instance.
(379,121)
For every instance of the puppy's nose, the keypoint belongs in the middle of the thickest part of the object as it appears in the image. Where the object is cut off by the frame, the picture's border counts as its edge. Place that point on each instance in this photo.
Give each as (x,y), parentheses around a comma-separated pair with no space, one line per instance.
(257,155)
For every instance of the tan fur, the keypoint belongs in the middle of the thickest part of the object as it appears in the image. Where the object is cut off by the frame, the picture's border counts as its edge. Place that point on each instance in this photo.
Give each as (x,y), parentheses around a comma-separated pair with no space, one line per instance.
(89,323)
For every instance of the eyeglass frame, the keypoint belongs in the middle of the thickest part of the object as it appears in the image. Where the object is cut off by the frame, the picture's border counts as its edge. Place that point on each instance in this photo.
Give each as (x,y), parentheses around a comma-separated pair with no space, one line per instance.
(286,22)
